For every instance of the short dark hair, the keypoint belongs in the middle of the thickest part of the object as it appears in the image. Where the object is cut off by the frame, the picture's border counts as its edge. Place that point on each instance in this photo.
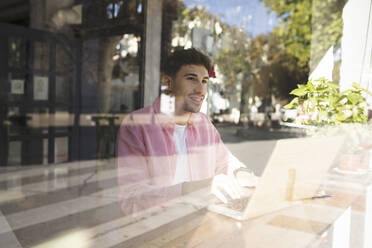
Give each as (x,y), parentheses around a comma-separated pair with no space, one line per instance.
(181,57)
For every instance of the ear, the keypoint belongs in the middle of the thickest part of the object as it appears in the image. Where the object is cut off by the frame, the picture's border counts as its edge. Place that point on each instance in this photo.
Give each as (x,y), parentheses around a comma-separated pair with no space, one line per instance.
(167,81)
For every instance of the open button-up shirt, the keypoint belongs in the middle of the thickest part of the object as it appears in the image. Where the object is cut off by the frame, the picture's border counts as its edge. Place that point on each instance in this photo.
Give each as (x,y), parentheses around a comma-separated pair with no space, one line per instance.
(147,156)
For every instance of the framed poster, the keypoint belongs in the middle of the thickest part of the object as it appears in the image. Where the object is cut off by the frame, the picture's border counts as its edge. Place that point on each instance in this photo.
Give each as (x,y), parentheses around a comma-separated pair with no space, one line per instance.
(41,88)
(17,86)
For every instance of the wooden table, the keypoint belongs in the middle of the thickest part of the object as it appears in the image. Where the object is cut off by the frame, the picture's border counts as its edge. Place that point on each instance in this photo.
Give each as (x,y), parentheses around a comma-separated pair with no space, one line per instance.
(343,220)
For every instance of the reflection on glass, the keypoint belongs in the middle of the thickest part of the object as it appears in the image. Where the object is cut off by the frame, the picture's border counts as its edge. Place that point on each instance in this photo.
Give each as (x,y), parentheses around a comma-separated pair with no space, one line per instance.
(45,151)
(102,14)
(62,120)
(125,75)
(41,56)
(261,49)
(112,9)
(38,120)
(14,153)
(41,88)
(61,147)
(368,218)
(17,52)
(63,87)
(64,61)
(341,230)
(18,86)
(253,68)
(17,121)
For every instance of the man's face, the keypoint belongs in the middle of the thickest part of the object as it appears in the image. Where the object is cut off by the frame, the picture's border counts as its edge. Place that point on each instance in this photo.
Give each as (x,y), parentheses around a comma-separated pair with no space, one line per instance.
(189,87)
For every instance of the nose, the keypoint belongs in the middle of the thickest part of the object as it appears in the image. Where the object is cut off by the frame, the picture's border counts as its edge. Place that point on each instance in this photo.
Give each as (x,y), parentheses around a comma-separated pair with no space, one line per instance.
(201,88)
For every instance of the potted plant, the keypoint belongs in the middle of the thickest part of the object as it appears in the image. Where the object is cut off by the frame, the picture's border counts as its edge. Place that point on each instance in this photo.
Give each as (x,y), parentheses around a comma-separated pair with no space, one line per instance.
(329,111)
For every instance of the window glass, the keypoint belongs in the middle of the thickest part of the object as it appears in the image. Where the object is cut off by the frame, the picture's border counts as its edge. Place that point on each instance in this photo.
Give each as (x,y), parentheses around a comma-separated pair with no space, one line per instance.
(45,151)
(63,89)
(16,121)
(18,86)
(63,120)
(125,74)
(106,140)
(41,55)
(41,87)
(254,66)
(61,149)
(17,52)
(14,154)
(64,57)
(38,120)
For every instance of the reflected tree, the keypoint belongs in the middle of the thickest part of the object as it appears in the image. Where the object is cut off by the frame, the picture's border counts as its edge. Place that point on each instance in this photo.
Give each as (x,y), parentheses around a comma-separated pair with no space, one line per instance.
(308,28)
(105,68)
(279,73)
(234,61)
(108,19)
(263,66)
(266,67)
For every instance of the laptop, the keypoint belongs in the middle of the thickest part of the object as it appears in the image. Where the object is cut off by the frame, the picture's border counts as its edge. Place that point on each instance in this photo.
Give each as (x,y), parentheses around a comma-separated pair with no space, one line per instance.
(294,172)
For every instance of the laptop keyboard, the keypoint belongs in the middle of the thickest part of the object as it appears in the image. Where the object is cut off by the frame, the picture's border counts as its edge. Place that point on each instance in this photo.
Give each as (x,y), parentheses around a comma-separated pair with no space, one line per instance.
(236,204)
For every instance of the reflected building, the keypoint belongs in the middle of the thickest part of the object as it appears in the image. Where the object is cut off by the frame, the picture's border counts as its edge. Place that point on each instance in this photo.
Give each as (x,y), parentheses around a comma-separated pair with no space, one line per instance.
(72,70)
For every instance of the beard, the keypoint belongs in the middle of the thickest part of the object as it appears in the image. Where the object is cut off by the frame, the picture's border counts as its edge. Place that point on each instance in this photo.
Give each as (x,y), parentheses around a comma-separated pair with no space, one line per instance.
(191,107)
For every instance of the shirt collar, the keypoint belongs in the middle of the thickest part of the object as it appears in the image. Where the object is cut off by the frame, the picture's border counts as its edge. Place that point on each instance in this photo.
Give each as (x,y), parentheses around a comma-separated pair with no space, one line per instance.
(166,120)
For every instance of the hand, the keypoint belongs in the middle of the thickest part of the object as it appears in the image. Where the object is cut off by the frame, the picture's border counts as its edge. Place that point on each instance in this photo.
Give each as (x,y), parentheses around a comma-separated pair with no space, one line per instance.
(224,186)
(245,177)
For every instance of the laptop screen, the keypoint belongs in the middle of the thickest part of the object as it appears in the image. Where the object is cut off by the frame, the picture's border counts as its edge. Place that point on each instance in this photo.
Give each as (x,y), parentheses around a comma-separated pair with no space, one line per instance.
(294,171)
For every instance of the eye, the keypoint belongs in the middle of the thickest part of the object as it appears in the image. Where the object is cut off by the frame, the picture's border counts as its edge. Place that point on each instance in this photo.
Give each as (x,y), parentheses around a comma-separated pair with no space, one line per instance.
(191,78)
(205,81)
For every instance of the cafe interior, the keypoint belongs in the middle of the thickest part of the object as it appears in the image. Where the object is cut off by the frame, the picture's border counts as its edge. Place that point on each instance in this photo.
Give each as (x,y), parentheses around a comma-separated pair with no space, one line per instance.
(73,71)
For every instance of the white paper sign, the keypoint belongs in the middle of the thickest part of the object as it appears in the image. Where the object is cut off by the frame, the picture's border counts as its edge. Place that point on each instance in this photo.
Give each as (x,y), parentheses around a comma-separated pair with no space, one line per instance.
(41,88)
(17,86)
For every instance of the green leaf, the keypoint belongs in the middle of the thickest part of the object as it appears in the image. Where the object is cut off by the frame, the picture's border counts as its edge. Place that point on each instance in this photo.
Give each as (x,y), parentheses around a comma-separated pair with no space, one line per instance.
(354,98)
(355,85)
(341,117)
(299,91)
(292,104)
(333,85)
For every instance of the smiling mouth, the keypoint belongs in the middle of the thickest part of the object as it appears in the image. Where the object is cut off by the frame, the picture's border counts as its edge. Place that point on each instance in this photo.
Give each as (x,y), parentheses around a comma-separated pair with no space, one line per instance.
(197,99)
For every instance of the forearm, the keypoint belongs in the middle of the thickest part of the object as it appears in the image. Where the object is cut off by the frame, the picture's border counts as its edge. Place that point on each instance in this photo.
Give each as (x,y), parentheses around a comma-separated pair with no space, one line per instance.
(143,196)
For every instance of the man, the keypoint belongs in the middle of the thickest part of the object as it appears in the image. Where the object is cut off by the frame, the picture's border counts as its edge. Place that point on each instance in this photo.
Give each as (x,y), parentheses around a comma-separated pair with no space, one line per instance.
(162,146)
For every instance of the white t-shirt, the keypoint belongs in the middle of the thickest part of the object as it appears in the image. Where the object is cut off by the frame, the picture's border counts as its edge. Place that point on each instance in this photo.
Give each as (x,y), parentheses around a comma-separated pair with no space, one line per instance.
(182,167)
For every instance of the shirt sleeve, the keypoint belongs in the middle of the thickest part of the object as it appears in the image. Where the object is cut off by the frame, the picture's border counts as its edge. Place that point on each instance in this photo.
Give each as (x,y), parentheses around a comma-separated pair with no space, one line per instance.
(133,174)
(136,192)
(234,164)
(226,162)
